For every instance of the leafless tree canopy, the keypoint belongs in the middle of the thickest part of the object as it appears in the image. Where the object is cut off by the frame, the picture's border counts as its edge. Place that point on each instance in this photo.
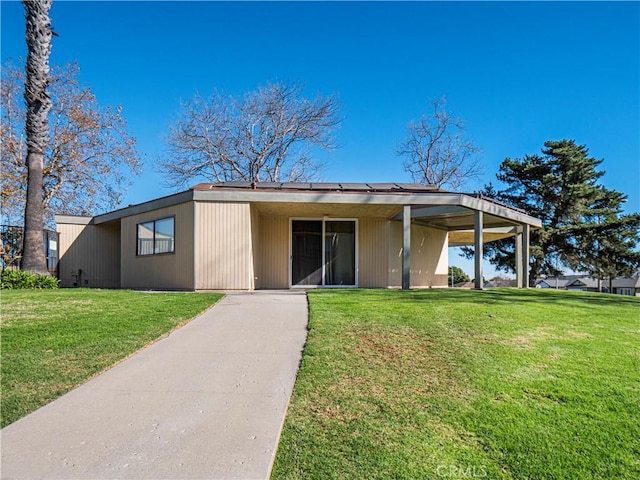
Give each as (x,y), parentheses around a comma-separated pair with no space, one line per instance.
(88,155)
(265,136)
(436,151)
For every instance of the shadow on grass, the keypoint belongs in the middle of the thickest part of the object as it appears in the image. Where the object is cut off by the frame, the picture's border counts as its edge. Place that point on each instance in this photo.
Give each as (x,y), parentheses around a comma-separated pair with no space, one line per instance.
(490,296)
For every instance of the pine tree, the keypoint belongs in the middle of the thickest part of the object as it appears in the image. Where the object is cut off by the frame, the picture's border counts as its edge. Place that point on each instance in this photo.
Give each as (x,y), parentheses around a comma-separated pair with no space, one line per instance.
(583,227)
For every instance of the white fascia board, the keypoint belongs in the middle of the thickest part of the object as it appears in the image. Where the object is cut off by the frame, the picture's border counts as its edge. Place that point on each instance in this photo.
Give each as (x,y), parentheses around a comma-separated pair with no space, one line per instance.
(72,219)
(327,197)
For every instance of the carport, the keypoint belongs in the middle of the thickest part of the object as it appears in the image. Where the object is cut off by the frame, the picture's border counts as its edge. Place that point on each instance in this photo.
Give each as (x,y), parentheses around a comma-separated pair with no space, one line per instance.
(470,219)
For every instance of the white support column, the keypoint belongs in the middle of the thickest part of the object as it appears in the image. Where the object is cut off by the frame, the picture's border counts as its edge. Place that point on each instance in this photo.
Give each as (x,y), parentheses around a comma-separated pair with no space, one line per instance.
(525,256)
(518,259)
(478,250)
(406,247)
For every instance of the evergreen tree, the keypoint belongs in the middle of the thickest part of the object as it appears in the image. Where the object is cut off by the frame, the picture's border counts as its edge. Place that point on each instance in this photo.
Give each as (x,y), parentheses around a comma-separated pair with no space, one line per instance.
(583,227)
(457,275)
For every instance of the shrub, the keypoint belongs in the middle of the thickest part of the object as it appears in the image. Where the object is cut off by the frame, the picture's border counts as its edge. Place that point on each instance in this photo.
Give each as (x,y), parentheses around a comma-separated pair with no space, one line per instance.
(12,278)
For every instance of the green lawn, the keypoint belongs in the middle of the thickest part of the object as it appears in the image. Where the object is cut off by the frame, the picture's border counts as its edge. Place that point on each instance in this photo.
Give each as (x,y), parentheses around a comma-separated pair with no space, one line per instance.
(54,340)
(516,384)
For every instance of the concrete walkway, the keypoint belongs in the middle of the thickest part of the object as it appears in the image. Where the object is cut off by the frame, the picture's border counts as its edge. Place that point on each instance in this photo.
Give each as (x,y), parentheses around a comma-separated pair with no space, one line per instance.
(206,402)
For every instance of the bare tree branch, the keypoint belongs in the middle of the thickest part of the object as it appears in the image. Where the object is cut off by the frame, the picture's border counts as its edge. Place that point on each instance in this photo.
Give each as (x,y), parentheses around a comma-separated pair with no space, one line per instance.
(436,151)
(264,136)
(89,156)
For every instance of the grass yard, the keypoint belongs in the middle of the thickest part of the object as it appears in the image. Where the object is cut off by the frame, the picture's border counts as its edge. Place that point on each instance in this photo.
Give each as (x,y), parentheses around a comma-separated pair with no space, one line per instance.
(54,340)
(499,384)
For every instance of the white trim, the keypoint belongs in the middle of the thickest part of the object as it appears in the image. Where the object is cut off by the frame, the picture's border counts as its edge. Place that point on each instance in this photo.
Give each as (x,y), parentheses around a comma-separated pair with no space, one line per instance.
(356,252)
(72,220)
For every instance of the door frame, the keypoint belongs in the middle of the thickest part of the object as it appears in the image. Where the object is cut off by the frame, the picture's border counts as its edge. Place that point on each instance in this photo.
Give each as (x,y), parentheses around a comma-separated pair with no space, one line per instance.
(324,220)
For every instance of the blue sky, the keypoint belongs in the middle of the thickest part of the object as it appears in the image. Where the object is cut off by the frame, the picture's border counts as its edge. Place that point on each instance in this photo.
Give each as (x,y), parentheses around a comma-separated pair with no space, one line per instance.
(519,73)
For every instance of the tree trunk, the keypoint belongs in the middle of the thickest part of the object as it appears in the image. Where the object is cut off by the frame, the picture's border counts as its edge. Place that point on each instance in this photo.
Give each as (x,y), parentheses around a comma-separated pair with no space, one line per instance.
(38,36)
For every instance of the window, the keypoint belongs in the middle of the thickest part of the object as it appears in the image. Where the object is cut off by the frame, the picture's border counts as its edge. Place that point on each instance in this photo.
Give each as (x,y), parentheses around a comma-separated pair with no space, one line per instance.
(156,237)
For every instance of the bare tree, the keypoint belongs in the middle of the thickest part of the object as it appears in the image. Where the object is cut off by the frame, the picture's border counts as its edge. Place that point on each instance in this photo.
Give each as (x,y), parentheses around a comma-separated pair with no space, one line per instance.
(265,136)
(88,156)
(38,36)
(436,151)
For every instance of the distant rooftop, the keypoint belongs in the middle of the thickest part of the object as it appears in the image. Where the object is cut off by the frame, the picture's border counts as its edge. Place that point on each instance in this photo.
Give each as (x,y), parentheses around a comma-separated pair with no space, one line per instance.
(323,186)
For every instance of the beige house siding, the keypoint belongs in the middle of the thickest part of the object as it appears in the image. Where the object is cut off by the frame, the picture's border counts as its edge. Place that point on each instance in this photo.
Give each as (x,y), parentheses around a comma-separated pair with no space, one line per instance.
(429,256)
(223,246)
(89,255)
(255,250)
(372,253)
(273,251)
(171,271)
(239,246)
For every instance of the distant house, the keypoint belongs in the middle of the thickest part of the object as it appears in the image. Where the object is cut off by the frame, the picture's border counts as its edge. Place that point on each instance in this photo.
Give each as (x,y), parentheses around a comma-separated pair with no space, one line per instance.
(500,282)
(246,236)
(557,283)
(627,286)
(619,285)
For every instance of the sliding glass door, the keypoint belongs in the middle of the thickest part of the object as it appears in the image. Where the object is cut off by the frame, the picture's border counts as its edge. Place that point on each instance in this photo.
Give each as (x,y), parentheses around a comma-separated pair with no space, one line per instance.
(323,253)
(340,253)
(306,252)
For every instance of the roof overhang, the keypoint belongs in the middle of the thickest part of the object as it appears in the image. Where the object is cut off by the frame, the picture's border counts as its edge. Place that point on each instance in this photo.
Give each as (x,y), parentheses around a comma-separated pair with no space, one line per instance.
(459,238)
(445,210)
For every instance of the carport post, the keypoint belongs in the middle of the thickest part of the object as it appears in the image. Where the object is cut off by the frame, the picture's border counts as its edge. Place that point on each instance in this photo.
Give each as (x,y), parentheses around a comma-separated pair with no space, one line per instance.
(406,247)
(478,253)
(525,256)
(518,260)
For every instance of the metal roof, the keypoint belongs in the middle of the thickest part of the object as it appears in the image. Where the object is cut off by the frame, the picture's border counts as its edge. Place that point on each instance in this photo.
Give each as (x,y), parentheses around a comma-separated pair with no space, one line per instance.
(322,186)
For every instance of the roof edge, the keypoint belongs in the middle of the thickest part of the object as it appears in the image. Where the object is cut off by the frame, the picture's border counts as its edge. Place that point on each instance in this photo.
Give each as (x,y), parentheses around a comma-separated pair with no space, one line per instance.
(162,202)
(72,219)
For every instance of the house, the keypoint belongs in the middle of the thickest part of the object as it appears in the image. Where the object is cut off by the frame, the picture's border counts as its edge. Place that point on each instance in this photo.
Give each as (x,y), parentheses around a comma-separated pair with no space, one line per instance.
(245,236)
(557,283)
(583,283)
(626,286)
(500,282)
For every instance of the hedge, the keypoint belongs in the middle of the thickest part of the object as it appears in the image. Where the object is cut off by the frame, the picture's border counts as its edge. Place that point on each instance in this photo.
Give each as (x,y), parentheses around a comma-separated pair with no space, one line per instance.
(12,278)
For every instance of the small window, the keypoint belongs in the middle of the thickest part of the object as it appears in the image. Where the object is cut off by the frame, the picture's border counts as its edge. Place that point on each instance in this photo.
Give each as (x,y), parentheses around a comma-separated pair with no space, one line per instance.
(156,237)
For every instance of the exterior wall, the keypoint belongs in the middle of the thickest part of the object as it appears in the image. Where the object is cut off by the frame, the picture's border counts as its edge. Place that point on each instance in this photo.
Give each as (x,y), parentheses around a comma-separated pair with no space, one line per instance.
(167,271)
(373,259)
(429,256)
(273,251)
(379,254)
(223,246)
(89,255)
(632,291)
(255,250)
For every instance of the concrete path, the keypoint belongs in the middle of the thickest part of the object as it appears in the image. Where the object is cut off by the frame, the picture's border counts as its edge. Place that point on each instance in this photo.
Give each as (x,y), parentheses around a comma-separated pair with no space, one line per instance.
(206,402)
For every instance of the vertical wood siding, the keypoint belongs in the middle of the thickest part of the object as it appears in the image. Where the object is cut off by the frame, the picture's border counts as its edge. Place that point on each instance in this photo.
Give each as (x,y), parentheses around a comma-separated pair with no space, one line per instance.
(255,249)
(273,248)
(429,256)
(170,271)
(372,255)
(89,255)
(224,259)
